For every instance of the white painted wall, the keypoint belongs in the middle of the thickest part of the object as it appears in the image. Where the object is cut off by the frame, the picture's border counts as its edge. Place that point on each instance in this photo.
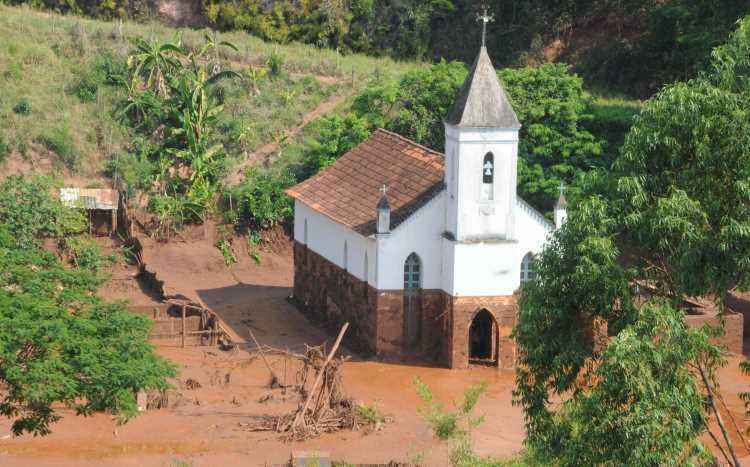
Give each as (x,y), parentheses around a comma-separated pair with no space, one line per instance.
(327,238)
(421,233)
(458,268)
(491,268)
(469,216)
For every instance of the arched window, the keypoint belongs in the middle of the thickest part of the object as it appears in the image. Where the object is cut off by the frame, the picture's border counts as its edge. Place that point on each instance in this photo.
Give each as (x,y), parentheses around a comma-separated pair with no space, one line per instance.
(527,268)
(305,234)
(412,272)
(488,176)
(346,256)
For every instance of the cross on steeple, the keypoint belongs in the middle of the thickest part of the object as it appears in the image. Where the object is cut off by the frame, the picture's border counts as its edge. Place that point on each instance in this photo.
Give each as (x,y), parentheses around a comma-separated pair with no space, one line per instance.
(562,188)
(485,18)
(383,189)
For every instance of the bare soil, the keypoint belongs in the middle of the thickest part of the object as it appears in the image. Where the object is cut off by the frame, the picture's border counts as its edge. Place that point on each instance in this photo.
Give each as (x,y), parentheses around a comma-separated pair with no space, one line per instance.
(206,425)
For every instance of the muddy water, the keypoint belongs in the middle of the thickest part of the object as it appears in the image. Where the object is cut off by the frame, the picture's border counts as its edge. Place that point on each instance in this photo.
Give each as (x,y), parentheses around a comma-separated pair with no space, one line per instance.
(204,425)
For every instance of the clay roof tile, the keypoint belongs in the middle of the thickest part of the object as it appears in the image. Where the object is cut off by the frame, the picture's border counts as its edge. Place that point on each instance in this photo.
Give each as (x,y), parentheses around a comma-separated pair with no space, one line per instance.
(349,190)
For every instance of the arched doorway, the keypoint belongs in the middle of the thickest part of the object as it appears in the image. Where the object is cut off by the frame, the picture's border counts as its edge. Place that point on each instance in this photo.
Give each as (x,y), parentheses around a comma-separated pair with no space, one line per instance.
(483,341)
(412,302)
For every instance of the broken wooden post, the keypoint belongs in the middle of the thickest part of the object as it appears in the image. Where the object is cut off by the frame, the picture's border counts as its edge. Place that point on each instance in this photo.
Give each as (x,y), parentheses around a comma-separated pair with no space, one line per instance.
(184,327)
(263,356)
(301,415)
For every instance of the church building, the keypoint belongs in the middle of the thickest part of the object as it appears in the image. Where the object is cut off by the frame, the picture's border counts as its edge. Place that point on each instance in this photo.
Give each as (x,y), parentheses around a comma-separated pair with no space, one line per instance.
(424,253)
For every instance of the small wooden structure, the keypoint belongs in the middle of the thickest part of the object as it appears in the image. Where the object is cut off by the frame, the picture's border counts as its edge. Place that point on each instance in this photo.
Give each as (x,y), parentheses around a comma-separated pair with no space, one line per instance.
(208,330)
(101,204)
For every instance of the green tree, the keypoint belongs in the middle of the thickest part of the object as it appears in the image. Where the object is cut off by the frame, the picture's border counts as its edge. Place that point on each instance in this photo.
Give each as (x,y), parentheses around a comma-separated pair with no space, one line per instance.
(550,103)
(336,136)
(259,201)
(670,219)
(59,343)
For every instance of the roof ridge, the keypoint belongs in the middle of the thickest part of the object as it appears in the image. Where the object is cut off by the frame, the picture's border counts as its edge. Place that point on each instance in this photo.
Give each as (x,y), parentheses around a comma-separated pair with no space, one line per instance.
(410,141)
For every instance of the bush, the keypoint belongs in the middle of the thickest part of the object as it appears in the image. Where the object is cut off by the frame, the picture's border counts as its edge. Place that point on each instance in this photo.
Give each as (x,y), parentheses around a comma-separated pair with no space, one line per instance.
(86,86)
(260,200)
(275,64)
(85,253)
(455,426)
(28,212)
(59,140)
(23,107)
(4,149)
(112,70)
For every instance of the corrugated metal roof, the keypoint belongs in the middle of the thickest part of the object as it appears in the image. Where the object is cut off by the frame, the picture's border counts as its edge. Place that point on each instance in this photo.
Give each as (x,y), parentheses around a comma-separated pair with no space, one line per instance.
(90,198)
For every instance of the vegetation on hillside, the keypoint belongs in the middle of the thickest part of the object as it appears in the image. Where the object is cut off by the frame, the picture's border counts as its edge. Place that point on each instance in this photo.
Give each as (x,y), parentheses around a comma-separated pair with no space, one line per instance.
(555,145)
(61,90)
(635,46)
(669,221)
(60,345)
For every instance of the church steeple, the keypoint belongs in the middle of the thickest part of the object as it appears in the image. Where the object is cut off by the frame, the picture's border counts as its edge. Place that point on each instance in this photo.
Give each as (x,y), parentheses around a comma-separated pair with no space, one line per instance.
(481,154)
(481,102)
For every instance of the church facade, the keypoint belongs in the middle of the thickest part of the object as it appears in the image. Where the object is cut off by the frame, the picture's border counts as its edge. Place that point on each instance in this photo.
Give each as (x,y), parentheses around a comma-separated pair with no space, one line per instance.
(424,253)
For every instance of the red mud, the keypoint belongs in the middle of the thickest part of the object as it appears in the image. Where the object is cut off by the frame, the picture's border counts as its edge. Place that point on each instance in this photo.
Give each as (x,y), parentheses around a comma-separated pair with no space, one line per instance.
(203,428)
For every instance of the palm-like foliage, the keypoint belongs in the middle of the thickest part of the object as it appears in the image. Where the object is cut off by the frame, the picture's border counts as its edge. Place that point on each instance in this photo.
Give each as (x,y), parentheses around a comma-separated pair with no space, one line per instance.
(170,96)
(153,61)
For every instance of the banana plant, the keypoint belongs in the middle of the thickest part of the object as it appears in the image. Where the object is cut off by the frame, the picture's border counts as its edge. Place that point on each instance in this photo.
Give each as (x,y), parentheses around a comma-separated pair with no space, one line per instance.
(154,61)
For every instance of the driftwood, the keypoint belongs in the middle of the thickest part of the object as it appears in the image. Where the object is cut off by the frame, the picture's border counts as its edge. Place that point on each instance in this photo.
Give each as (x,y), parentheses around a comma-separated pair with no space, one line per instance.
(322,408)
(274,379)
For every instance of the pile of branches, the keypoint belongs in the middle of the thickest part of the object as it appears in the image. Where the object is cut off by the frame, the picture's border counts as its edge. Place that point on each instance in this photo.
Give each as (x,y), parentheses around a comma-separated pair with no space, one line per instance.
(322,408)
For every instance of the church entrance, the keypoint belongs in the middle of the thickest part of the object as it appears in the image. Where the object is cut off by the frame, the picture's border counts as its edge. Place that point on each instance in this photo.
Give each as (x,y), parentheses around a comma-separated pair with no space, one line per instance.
(412,303)
(483,339)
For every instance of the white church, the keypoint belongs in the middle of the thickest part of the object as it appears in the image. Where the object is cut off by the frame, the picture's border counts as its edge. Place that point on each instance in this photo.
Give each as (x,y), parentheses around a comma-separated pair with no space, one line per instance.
(424,253)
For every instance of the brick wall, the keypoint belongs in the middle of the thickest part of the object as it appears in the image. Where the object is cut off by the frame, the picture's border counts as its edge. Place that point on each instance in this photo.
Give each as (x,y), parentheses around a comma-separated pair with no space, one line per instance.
(504,309)
(329,294)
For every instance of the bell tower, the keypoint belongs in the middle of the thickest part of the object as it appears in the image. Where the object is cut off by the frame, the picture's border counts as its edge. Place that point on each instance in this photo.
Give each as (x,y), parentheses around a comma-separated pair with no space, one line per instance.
(481,154)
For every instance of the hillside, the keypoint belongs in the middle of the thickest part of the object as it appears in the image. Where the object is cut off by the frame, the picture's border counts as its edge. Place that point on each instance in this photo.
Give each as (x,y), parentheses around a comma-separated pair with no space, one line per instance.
(60,114)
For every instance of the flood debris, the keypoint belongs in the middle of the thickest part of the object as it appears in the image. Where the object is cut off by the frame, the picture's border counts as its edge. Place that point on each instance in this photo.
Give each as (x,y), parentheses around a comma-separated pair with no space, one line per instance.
(323,406)
(192,384)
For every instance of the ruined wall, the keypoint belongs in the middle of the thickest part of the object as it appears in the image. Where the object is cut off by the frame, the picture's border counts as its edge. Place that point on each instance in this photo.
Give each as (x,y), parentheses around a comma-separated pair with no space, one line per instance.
(329,294)
(733,329)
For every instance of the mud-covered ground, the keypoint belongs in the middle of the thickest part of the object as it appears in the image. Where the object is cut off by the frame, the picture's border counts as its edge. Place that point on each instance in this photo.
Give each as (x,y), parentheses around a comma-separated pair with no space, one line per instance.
(206,425)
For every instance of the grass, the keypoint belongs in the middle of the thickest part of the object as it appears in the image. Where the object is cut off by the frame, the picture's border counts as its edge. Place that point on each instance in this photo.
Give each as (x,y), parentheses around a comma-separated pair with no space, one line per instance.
(45,74)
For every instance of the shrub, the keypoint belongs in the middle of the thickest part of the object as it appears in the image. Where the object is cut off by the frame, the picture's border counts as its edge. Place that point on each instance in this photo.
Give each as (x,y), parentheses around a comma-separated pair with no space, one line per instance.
(86,86)
(275,64)
(85,253)
(22,107)
(260,200)
(28,212)
(58,139)
(370,416)
(111,69)
(455,426)
(4,149)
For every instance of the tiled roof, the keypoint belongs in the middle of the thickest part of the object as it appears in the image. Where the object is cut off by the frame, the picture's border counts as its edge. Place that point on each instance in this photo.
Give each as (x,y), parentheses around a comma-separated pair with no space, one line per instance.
(349,190)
